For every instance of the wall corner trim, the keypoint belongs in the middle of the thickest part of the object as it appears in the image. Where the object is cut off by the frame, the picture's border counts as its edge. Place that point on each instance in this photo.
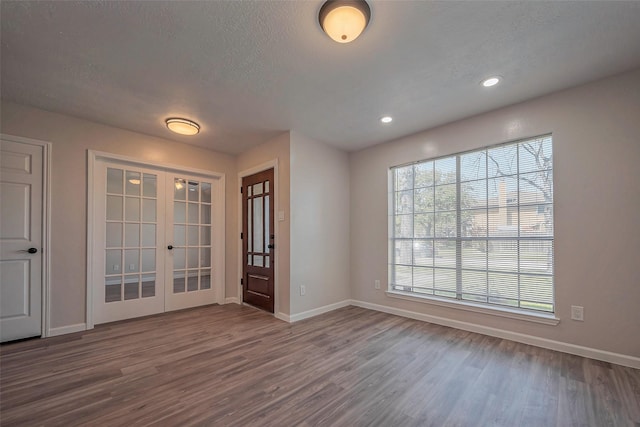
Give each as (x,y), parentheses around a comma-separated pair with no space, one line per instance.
(69,329)
(231,300)
(592,353)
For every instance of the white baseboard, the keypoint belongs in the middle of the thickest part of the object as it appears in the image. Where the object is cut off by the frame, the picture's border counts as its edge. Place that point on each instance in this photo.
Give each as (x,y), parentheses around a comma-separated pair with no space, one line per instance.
(53,332)
(317,311)
(592,353)
(283,316)
(231,300)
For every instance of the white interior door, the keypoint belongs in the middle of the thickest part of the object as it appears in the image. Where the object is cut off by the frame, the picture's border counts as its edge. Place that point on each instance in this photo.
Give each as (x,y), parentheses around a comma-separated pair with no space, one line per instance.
(21,187)
(128,240)
(157,237)
(189,236)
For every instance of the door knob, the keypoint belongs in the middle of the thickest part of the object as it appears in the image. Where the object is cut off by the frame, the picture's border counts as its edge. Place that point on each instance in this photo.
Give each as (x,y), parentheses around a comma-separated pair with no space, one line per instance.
(32,250)
(169,247)
(270,246)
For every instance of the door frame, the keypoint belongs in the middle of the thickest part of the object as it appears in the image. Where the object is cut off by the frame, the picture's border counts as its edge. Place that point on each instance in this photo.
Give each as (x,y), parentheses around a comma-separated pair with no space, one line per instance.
(270,164)
(217,221)
(46,225)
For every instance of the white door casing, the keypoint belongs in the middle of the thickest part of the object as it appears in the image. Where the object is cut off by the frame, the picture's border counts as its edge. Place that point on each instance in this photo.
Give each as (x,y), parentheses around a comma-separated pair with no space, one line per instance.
(23,237)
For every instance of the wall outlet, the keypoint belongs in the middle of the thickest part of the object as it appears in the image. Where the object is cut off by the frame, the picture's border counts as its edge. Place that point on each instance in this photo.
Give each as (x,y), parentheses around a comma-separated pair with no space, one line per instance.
(376,284)
(303,290)
(577,313)
(280,215)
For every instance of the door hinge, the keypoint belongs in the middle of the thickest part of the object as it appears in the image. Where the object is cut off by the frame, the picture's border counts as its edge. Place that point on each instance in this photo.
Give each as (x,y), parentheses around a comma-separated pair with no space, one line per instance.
(242,281)
(241,190)
(241,236)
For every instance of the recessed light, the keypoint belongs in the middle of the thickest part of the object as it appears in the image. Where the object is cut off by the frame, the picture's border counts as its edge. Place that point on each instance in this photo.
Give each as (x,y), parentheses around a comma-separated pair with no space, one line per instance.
(183,126)
(491,81)
(386,119)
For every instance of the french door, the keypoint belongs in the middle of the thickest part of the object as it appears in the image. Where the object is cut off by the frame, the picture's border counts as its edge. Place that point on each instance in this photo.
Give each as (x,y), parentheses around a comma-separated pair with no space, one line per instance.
(153,241)
(189,244)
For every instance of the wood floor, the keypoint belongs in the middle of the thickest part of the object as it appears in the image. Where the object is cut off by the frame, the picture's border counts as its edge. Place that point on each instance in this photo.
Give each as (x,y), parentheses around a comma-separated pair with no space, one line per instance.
(232,365)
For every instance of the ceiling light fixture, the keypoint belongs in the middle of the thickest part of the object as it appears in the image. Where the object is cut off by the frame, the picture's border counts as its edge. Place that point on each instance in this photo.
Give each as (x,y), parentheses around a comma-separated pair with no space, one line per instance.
(344,20)
(491,81)
(183,126)
(386,119)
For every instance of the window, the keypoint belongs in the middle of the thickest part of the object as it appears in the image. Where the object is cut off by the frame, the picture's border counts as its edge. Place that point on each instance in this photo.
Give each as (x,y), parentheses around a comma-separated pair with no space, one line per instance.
(476,226)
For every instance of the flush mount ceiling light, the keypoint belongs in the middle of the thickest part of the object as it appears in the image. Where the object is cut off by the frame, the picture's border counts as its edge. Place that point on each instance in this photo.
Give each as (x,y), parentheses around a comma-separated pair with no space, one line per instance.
(386,119)
(344,20)
(183,126)
(491,81)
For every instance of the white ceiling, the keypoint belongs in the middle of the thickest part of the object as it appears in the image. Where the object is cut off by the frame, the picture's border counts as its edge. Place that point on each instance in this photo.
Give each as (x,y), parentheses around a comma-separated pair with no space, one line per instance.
(248,70)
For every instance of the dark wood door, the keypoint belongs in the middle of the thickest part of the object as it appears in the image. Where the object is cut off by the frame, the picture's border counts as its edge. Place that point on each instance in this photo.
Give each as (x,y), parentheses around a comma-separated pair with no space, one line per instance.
(258,240)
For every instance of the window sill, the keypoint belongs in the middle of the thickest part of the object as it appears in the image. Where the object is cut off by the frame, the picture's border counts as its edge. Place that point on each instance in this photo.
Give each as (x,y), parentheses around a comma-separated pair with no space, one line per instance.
(546,319)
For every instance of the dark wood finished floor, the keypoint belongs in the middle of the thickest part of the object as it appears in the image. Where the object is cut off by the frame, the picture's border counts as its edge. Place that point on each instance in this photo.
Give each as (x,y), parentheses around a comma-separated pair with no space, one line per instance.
(232,365)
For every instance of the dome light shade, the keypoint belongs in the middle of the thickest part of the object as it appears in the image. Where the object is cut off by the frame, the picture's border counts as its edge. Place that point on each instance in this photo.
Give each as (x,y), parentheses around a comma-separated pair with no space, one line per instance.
(344,20)
(183,126)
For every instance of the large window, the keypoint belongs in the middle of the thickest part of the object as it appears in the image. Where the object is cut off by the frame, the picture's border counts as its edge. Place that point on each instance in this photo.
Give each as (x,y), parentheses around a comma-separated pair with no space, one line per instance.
(476,226)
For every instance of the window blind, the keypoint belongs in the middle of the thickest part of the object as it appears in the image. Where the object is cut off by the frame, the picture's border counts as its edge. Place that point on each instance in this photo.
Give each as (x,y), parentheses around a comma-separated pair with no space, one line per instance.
(476,226)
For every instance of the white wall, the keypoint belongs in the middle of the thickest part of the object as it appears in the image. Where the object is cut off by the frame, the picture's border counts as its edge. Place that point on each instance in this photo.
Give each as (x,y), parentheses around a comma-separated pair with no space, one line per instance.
(276,148)
(71,138)
(320,206)
(596,136)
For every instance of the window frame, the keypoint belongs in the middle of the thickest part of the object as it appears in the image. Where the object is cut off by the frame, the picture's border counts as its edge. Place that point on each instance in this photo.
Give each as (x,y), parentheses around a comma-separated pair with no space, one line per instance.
(457,301)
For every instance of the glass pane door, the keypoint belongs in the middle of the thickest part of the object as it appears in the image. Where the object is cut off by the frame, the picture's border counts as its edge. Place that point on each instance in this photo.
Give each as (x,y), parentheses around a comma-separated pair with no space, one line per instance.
(131,227)
(129,210)
(152,244)
(190,237)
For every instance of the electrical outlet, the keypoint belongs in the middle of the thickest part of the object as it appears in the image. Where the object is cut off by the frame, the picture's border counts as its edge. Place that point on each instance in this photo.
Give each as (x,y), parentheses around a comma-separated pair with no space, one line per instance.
(376,284)
(577,313)
(303,290)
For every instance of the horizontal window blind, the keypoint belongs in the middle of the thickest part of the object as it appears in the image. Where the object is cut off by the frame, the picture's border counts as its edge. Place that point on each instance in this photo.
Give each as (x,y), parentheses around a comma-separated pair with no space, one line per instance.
(476,226)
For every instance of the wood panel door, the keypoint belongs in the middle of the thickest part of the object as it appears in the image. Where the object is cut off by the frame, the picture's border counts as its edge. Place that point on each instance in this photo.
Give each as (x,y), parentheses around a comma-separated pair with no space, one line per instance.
(21,190)
(258,240)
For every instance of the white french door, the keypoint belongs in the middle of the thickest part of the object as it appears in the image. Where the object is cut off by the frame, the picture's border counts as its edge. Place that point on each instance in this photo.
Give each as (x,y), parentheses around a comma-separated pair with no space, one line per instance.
(128,257)
(154,243)
(188,230)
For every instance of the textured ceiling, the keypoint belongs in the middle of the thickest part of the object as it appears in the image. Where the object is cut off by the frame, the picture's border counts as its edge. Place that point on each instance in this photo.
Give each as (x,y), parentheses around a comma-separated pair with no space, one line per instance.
(247,70)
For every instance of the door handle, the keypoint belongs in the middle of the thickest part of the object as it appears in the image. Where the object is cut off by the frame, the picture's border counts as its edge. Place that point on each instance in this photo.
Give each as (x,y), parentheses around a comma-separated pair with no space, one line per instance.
(271,246)
(32,250)
(170,247)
